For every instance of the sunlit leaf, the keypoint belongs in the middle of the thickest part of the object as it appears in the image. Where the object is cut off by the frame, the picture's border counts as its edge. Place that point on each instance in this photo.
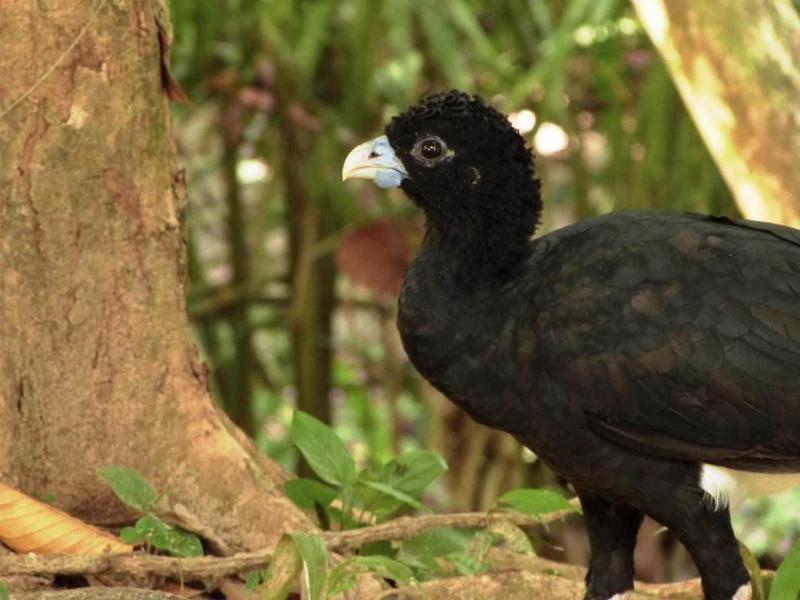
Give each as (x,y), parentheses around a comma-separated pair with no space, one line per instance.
(284,568)
(535,502)
(183,543)
(322,448)
(153,531)
(311,548)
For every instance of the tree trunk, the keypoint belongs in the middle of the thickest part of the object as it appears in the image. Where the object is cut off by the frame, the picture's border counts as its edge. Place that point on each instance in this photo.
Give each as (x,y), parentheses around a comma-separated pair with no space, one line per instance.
(735,64)
(96,364)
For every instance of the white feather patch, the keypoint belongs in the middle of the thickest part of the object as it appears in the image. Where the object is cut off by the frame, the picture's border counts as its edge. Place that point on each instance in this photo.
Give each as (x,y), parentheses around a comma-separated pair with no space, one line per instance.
(743,593)
(727,486)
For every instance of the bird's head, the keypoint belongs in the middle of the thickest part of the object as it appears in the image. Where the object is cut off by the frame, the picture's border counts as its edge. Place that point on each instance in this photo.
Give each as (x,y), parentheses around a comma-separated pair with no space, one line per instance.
(461,161)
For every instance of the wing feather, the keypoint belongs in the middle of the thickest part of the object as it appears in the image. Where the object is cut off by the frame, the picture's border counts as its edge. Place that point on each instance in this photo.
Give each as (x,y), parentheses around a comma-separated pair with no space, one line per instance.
(702,324)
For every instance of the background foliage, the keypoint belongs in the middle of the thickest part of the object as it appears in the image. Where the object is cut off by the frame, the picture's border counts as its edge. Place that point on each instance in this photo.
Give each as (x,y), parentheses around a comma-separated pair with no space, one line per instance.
(292,275)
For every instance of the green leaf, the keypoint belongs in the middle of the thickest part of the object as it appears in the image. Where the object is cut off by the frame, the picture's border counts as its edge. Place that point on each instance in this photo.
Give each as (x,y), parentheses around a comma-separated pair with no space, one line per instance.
(322,449)
(412,472)
(425,568)
(466,564)
(422,551)
(284,568)
(341,579)
(131,535)
(437,542)
(393,493)
(786,583)
(346,521)
(386,567)
(306,493)
(183,543)
(130,487)
(343,576)
(255,579)
(535,502)
(407,476)
(154,531)
(311,548)
(3,591)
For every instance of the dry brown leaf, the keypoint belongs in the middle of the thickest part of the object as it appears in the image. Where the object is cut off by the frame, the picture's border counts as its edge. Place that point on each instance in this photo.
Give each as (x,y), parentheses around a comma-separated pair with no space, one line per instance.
(376,256)
(27,525)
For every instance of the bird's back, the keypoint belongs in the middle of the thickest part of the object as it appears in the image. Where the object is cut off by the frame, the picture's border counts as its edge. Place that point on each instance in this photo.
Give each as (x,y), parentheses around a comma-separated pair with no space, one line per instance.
(676,334)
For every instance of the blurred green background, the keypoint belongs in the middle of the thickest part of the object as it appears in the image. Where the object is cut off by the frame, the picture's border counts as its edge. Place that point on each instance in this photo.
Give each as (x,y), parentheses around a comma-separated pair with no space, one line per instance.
(293,275)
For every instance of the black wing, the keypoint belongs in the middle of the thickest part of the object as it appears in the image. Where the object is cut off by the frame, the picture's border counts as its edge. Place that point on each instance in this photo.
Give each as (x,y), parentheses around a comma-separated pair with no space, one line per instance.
(679,334)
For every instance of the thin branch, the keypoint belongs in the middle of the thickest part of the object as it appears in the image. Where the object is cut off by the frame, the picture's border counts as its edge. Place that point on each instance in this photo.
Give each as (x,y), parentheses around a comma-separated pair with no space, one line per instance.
(190,569)
(404,528)
(212,567)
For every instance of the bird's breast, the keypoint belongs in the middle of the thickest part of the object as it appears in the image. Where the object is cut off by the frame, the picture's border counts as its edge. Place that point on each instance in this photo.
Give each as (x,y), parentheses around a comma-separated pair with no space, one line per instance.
(469,351)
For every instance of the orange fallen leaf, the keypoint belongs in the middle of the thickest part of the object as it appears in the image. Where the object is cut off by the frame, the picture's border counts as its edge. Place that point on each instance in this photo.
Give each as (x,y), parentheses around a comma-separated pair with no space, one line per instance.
(27,525)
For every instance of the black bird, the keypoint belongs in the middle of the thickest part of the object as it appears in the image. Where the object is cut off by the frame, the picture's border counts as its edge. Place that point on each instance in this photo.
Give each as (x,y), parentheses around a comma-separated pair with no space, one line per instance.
(651,358)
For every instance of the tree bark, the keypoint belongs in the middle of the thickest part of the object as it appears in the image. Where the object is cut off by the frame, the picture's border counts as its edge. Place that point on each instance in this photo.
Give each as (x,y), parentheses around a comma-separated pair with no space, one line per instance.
(97,366)
(735,65)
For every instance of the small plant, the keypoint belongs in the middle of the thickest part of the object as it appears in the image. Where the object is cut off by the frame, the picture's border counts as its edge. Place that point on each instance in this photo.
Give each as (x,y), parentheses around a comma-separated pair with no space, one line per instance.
(353,498)
(3,591)
(134,492)
(343,576)
(366,496)
(307,553)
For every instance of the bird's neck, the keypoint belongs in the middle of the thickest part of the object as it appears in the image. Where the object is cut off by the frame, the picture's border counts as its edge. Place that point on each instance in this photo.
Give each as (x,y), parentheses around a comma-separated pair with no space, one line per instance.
(470,256)
(454,313)
(480,236)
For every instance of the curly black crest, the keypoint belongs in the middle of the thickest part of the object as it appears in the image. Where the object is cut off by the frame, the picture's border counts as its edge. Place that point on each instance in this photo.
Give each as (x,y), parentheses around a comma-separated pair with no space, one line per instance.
(485,189)
(454,105)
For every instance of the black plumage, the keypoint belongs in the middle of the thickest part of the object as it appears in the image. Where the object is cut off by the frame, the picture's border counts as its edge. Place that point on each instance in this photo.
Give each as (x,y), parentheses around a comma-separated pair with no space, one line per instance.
(626,351)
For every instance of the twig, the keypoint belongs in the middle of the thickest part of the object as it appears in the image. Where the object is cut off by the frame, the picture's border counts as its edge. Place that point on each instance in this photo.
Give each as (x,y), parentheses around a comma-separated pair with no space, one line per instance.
(212,567)
(407,527)
(192,569)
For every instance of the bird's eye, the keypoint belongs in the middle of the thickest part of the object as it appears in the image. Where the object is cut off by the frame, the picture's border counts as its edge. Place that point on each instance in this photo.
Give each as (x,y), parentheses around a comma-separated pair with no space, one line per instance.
(431,149)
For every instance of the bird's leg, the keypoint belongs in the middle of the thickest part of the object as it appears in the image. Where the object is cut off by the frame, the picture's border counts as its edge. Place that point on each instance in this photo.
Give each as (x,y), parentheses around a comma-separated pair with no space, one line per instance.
(612,538)
(708,536)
